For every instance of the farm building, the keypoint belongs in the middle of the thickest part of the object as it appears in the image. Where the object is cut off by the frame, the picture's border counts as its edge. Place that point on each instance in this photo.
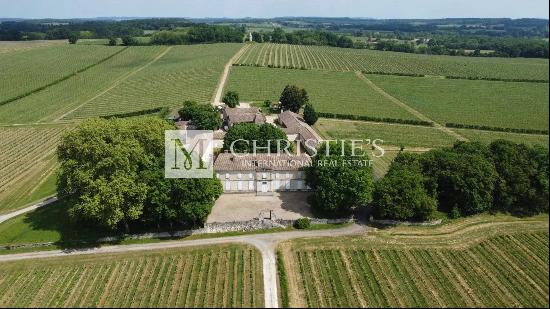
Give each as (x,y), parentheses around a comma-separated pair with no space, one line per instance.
(261,173)
(298,130)
(232,116)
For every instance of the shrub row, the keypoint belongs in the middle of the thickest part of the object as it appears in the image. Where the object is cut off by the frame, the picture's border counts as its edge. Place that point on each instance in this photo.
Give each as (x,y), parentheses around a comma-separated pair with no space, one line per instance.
(376,119)
(394,74)
(283,281)
(497,129)
(271,66)
(499,79)
(57,81)
(136,113)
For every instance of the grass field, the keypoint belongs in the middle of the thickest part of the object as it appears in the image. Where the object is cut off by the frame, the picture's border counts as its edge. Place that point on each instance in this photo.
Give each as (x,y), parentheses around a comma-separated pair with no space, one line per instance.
(333,92)
(391,134)
(216,276)
(488,136)
(182,73)
(346,59)
(27,70)
(491,103)
(27,164)
(478,262)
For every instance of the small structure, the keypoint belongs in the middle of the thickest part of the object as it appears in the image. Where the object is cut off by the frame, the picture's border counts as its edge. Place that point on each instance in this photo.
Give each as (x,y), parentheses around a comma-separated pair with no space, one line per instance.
(261,173)
(231,116)
(298,130)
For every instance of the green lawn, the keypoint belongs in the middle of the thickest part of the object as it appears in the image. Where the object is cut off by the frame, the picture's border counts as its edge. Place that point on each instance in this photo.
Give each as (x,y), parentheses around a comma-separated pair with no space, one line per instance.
(497,104)
(333,92)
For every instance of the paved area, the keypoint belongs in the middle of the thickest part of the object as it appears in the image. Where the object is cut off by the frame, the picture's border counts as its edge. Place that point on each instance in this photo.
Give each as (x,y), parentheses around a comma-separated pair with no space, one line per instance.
(247,206)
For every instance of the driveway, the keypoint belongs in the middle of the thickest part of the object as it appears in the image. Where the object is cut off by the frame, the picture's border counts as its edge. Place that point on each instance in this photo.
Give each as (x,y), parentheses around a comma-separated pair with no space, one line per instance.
(247,206)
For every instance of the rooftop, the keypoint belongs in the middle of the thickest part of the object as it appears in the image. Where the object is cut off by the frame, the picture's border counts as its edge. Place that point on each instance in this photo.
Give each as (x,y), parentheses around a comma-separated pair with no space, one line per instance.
(226,162)
(239,115)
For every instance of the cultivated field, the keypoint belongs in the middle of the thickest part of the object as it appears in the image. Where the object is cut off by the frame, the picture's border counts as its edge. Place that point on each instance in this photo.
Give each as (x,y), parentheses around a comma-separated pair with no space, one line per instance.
(25,71)
(177,74)
(332,92)
(391,134)
(27,164)
(488,136)
(479,262)
(490,103)
(19,46)
(217,276)
(345,59)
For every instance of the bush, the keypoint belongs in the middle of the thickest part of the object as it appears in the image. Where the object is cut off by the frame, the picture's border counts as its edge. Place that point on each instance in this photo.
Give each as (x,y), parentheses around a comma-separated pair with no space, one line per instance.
(310,115)
(241,135)
(129,41)
(231,98)
(302,223)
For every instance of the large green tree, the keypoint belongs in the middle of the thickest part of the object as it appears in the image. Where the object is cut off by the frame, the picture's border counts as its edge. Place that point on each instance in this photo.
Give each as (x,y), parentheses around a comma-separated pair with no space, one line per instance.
(293,98)
(112,174)
(310,115)
(401,194)
(203,116)
(231,98)
(522,186)
(341,182)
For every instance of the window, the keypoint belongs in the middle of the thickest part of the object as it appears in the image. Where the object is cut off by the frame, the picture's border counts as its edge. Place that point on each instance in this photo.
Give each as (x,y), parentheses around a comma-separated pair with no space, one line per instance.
(264,175)
(276,175)
(240,185)
(250,176)
(287,185)
(300,175)
(251,185)
(239,176)
(299,185)
(227,176)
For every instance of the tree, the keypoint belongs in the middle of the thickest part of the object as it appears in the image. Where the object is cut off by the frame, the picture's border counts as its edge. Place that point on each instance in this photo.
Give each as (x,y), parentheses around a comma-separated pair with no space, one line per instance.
(293,98)
(112,174)
(401,194)
(339,187)
(257,37)
(112,41)
(310,115)
(203,117)
(73,37)
(463,177)
(129,41)
(522,186)
(242,135)
(231,98)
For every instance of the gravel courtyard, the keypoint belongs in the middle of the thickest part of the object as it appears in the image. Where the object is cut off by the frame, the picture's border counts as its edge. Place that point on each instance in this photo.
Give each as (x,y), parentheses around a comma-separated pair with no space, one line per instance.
(248,206)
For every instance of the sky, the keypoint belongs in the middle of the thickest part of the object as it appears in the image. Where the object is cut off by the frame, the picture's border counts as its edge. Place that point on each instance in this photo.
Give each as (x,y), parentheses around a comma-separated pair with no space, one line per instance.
(273,8)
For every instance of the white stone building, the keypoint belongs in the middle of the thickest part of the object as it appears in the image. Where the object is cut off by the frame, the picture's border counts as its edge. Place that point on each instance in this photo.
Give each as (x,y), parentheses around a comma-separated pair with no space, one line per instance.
(261,173)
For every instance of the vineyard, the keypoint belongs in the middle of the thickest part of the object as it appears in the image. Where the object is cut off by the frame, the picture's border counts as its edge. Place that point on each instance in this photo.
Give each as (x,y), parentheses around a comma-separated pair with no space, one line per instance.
(55,101)
(491,103)
(479,264)
(345,59)
(487,137)
(331,92)
(391,134)
(27,159)
(183,73)
(24,71)
(218,276)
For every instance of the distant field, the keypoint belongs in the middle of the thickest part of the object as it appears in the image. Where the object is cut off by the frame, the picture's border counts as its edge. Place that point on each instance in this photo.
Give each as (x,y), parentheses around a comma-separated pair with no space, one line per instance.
(488,136)
(216,276)
(333,92)
(27,164)
(57,100)
(184,73)
(475,263)
(24,71)
(391,134)
(19,46)
(497,104)
(345,59)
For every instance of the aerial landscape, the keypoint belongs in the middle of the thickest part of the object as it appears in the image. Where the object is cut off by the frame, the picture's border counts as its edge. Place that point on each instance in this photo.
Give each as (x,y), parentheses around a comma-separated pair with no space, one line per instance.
(274,154)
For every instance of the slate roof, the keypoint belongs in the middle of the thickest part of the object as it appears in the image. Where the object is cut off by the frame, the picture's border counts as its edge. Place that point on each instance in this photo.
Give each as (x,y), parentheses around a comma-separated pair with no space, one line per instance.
(247,115)
(227,162)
